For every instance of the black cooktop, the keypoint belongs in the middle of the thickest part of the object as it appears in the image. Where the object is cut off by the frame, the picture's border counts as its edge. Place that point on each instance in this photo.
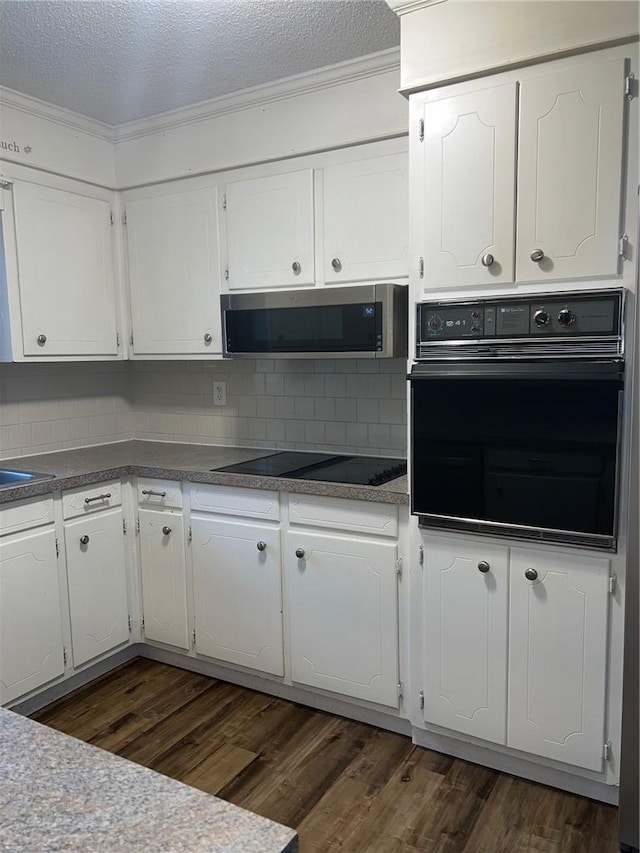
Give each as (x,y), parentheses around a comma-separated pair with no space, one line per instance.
(357,470)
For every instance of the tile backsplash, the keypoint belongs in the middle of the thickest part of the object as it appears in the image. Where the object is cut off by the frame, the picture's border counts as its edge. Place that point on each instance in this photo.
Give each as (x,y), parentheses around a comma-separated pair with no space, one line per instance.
(46,407)
(342,405)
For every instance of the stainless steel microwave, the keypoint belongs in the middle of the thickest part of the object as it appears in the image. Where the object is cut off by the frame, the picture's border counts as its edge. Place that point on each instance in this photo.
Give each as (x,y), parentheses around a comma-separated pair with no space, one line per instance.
(363,321)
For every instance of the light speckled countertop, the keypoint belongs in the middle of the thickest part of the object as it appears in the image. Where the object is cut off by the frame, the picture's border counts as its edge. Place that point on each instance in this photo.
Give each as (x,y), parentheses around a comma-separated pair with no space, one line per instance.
(60,794)
(171,461)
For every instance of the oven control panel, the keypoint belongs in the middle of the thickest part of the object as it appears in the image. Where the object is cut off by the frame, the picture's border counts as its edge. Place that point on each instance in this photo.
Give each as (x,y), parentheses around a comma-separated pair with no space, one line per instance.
(522,320)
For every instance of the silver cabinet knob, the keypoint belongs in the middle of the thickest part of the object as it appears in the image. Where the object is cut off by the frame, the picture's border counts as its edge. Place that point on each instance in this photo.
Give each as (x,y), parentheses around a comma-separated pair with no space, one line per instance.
(487,259)
(300,553)
(336,263)
(84,540)
(537,255)
(531,574)
(42,339)
(208,338)
(166,530)
(261,546)
(296,266)
(483,567)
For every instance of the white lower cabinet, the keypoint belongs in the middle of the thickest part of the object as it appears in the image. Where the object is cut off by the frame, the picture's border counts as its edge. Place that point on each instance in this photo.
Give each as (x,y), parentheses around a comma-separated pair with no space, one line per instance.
(164,577)
(97,579)
(465,638)
(237,592)
(557,655)
(547,614)
(343,601)
(31,646)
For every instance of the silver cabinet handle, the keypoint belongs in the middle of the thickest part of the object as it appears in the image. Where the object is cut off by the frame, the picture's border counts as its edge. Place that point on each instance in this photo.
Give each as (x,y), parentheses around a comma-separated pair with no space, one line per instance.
(42,339)
(300,553)
(261,546)
(531,574)
(104,497)
(208,338)
(484,567)
(336,263)
(151,492)
(537,255)
(84,540)
(487,260)
(296,267)
(166,530)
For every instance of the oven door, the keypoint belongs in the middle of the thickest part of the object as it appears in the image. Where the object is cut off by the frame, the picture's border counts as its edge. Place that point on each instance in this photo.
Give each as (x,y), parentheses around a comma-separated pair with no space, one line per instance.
(528,450)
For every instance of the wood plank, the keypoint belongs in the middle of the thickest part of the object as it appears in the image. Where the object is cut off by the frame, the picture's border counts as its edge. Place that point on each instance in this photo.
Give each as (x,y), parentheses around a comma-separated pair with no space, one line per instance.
(344,785)
(522,816)
(219,768)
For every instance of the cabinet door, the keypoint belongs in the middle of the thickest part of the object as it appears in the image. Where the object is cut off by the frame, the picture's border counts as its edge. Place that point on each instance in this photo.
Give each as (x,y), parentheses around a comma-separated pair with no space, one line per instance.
(31,651)
(270,231)
(238,592)
(569,173)
(164,577)
(465,638)
(469,188)
(343,601)
(174,273)
(557,656)
(67,285)
(97,584)
(366,219)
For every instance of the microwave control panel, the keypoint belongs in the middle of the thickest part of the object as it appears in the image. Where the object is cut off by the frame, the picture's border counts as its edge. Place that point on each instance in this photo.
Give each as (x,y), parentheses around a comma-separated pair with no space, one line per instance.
(568,315)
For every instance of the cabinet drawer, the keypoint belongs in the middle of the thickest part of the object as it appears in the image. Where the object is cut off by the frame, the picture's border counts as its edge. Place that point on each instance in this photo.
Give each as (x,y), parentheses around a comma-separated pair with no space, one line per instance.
(228,500)
(344,514)
(159,493)
(84,500)
(23,515)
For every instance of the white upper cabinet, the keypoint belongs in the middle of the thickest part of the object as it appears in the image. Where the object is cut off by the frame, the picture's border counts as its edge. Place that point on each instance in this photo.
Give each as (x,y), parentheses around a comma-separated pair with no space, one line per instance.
(174,273)
(537,205)
(67,293)
(570,173)
(365,216)
(469,173)
(270,240)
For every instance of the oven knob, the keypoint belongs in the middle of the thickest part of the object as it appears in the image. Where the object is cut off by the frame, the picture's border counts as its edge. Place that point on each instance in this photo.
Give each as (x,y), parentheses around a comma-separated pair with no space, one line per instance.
(475,328)
(475,315)
(566,317)
(542,318)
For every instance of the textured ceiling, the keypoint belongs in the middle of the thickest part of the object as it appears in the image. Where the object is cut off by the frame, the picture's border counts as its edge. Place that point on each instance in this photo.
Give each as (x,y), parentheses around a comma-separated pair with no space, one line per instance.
(119,60)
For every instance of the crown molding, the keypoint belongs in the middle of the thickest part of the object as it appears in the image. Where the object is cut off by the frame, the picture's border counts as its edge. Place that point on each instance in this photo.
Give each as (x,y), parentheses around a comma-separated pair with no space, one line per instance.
(339,74)
(403,7)
(51,112)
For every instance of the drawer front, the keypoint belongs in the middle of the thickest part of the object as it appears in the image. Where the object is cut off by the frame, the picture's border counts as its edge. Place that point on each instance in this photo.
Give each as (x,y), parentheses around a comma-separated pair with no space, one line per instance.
(229,500)
(344,514)
(159,493)
(85,500)
(22,515)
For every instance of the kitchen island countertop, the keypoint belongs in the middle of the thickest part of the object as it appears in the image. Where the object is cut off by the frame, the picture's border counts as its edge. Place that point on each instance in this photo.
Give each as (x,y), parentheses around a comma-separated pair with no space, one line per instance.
(173,461)
(60,794)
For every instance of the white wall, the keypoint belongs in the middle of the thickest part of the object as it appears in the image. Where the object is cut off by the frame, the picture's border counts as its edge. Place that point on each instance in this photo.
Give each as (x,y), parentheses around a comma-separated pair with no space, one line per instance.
(454,39)
(341,406)
(46,407)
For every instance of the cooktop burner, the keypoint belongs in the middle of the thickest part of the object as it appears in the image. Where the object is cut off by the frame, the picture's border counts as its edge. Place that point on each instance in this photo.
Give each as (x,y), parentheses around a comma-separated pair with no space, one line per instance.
(358,470)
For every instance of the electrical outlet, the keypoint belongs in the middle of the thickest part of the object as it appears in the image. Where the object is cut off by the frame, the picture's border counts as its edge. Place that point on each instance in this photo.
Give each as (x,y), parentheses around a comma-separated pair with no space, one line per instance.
(219,393)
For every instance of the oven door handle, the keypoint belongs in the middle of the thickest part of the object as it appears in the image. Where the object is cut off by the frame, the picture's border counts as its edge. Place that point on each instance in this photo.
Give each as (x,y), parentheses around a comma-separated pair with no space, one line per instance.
(605,369)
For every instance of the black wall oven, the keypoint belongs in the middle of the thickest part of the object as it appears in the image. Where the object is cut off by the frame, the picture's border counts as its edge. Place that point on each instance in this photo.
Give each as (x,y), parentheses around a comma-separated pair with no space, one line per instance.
(516,408)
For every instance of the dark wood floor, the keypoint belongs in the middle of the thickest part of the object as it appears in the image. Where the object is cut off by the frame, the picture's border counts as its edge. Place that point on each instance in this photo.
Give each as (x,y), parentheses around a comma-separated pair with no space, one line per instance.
(343,785)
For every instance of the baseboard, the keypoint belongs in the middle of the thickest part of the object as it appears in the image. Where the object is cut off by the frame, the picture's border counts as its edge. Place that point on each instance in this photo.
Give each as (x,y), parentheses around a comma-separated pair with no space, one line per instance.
(516,766)
(330,704)
(79,679)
